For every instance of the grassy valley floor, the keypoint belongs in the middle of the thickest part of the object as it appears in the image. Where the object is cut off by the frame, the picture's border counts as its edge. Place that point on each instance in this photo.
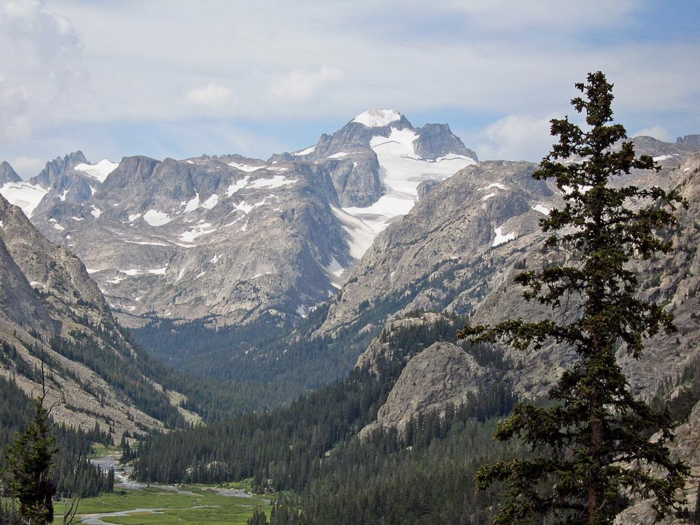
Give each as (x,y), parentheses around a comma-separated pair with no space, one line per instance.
(155,504)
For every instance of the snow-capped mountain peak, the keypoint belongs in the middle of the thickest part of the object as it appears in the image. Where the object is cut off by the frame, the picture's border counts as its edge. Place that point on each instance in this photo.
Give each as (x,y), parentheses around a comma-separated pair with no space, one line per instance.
(377,118)
(98,171)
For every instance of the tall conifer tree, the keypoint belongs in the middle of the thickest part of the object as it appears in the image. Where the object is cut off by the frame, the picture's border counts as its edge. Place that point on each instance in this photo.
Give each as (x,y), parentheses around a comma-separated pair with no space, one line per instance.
(29,461)
(591,448)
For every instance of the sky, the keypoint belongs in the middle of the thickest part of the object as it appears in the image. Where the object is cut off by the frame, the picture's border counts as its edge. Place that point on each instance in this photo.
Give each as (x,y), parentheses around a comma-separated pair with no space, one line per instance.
(176,78)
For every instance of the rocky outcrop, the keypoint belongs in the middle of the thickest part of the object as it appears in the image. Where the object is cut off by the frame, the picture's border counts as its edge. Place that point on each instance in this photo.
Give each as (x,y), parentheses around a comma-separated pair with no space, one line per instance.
(674,281)
(386,350)
(437,140)
(356,178)
(47,296)
(452,248)
(19,303)
(441,374)
(64,182)
(54,174)
(7,174)
(425,187)
(52,269)
(666,151)
(671,280)
(686,448)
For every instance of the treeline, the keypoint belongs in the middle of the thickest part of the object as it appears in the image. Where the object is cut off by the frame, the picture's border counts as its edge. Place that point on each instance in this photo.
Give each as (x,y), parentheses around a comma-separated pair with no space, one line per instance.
(277,367)
(123,370)
(385,482)
(132,371)
(422,474)
(213,400)
(271,445)
(280,446)
(278,364)
(311,448)
(17,410)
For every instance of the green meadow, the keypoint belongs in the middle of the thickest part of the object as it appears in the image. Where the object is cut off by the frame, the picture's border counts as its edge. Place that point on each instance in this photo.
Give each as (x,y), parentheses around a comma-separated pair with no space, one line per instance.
(195,504)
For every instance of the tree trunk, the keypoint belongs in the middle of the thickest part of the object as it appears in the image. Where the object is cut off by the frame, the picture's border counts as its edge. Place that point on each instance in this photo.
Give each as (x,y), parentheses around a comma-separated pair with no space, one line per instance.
(594,476)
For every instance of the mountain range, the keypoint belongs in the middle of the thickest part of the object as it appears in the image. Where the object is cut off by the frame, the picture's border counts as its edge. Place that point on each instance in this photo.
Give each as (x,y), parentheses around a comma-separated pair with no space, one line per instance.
(322,253)
(235,240)
(58,333)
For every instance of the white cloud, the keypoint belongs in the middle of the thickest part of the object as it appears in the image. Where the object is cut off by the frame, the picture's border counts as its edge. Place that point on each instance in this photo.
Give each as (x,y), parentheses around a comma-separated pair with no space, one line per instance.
(14,124)
(302,84)
(654,131)
(41,66)
(210,96)
(554,15)
(516,137)
(509,56)
(27,167)
(274,61)
(40,37)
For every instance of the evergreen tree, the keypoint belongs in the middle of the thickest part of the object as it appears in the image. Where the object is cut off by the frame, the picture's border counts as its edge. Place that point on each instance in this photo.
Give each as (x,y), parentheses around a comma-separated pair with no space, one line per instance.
(110,479)
(258,517)
(29,460)
(593,442)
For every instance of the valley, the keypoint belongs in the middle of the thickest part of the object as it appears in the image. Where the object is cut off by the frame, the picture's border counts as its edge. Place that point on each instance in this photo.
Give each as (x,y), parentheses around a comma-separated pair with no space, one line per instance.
(349,263)
(155,504)
(282,333)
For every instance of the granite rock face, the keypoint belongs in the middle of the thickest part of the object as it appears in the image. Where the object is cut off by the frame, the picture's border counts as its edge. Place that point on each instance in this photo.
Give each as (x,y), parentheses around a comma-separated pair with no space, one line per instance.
(54,174)
(441,374)
(52,269)
(19,304)
(666,151)
(437,140)
(671,280)
(7,174)
(686,448)
(453,247)
(222,238)
(385,349)
(235,240)
(46,293)
(64,182)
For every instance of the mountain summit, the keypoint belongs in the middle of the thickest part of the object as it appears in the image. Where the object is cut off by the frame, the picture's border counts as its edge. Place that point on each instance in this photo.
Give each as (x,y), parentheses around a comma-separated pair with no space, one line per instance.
(377,118)
(379,164)
(7,174)
(236,240)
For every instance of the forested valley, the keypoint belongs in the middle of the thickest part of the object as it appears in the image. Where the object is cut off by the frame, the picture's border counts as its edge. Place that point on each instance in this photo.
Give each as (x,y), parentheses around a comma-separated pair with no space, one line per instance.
(420,475)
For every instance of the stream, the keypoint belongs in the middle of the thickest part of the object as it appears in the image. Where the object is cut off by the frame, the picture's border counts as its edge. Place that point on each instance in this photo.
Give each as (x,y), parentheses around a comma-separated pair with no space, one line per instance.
(122,480)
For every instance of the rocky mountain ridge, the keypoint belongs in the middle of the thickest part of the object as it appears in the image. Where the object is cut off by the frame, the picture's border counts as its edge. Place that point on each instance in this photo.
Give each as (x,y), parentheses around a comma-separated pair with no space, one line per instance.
(51,310)
(462,238)
(445,252)
(8,174)
(431,379)
(475,232)
(671,280)
(211,238)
